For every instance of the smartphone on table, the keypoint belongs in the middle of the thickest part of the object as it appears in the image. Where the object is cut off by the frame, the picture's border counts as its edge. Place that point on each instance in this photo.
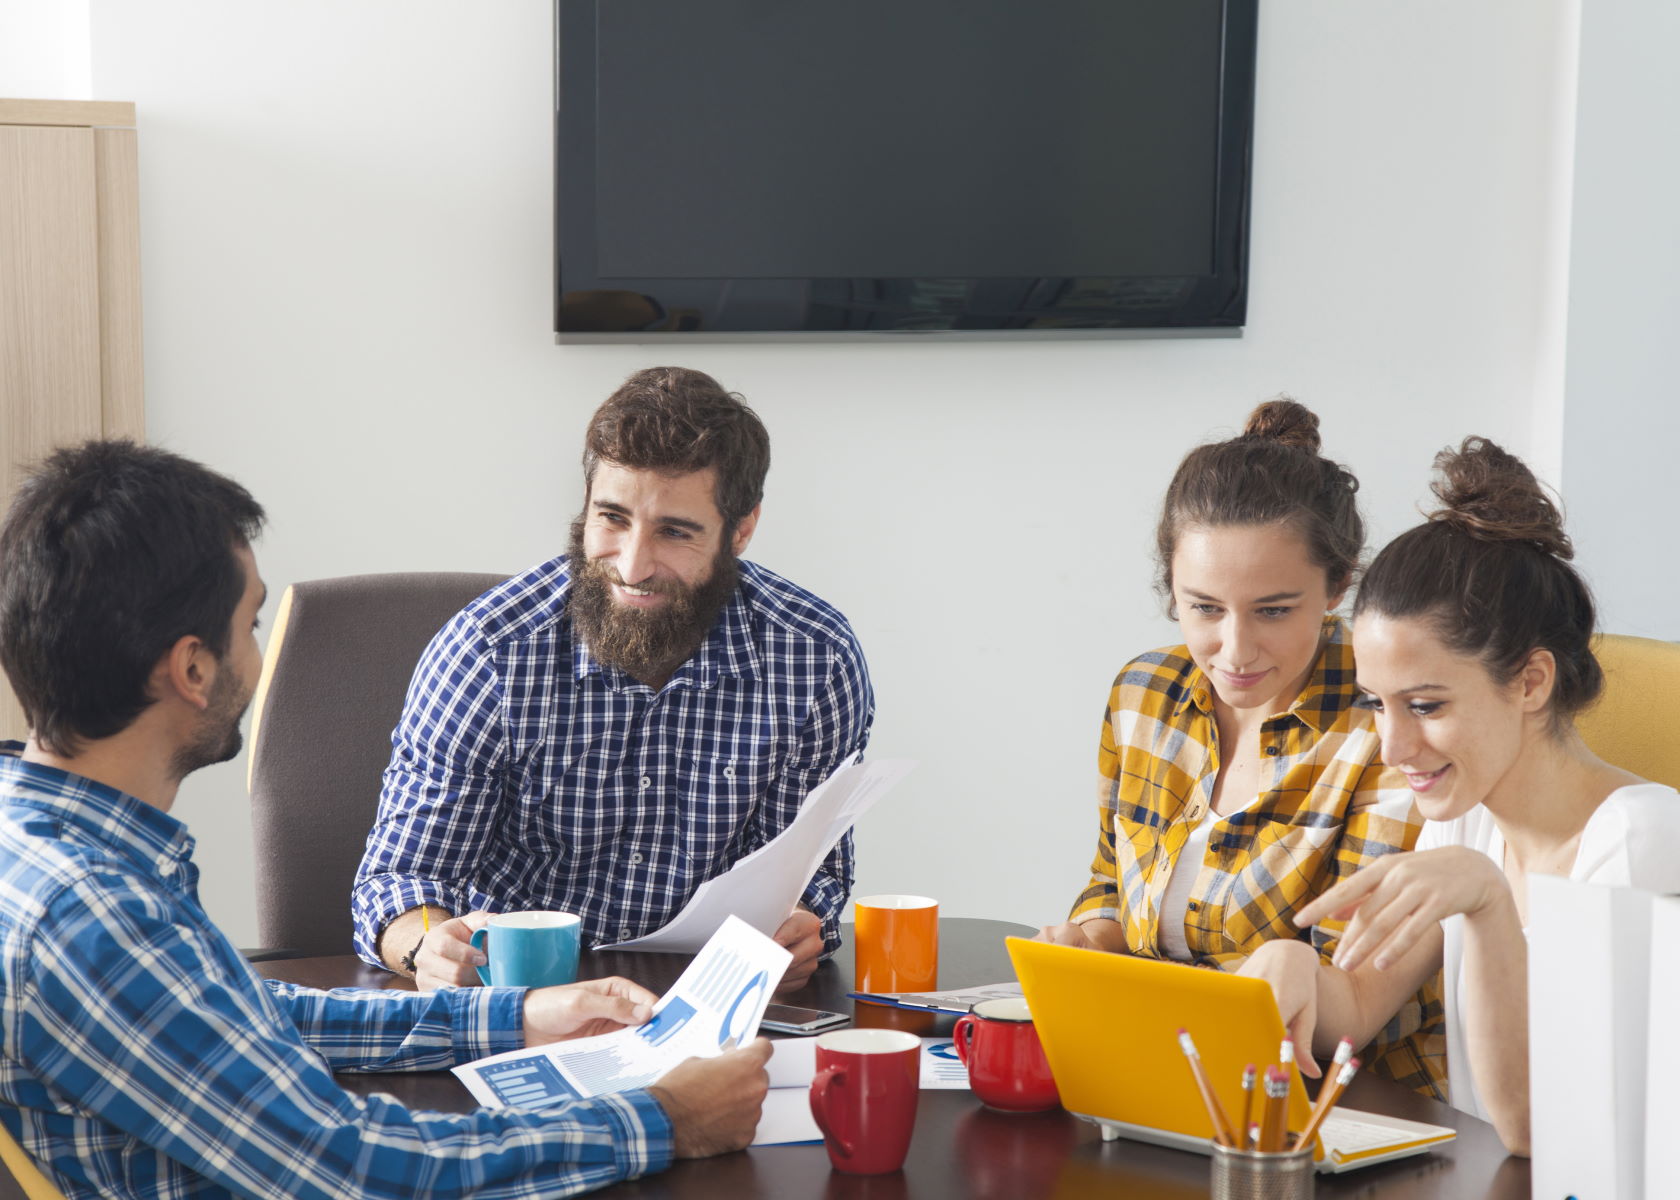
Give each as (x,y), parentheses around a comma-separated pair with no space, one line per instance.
(786,1018)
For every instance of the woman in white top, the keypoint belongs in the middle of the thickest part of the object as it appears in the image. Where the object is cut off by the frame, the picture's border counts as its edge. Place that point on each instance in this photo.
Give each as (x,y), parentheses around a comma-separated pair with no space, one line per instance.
(1471,634)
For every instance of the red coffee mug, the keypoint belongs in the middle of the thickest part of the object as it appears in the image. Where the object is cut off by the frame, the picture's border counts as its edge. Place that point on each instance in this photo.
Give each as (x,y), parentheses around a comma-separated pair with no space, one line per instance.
(1006,1065)
(864,1097)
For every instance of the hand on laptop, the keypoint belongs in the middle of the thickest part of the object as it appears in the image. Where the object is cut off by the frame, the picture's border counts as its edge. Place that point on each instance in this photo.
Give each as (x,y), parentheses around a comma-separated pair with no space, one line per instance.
(1096,933)
(1291,968)
(714,1103)
(583,1009)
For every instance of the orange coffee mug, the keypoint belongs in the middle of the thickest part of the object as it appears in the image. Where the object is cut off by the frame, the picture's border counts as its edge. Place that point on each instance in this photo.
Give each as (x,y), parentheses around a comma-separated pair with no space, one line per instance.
(897,944)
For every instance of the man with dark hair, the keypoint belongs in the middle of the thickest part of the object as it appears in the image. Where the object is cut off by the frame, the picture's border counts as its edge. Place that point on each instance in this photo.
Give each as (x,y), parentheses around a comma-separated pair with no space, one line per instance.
(139,1054)
(605,732)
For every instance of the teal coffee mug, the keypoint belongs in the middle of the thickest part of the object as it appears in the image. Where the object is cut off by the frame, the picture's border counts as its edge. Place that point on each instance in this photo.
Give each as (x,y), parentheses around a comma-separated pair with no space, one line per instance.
(529,949)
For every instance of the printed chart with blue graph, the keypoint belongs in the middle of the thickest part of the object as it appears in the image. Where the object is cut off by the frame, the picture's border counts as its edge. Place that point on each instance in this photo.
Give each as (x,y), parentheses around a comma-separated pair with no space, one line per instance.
(527,1083)
(727,983)
(667,1022)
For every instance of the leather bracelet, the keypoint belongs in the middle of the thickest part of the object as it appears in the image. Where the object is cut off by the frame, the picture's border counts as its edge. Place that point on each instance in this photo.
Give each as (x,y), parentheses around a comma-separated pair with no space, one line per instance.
(407,960)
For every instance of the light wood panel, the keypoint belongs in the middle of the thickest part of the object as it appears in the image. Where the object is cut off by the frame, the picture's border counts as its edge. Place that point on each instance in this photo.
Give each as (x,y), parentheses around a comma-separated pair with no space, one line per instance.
(70,328)
(121,356)
(89,113)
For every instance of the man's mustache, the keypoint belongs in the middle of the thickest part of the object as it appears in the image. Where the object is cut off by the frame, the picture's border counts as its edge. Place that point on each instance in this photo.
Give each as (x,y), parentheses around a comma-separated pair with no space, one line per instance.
(659,587)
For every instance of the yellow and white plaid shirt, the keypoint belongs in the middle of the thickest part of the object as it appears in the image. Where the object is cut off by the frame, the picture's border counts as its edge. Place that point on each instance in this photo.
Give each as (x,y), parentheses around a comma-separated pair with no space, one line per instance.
(1326,807)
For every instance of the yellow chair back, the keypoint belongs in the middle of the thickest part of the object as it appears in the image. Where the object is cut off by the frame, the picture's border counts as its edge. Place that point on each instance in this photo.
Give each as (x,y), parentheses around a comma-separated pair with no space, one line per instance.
(35,1185)
(1636,724)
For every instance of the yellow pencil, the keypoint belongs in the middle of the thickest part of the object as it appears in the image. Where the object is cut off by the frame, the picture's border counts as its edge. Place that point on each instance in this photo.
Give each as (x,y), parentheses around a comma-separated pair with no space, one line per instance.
(1222,1131)
(426,917)
(1332,1091)
(1248,1076)
(1274,1117)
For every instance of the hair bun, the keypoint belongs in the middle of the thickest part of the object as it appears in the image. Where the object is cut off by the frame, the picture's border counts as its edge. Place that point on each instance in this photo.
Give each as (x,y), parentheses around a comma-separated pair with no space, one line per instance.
(1284,420)
(1490,494)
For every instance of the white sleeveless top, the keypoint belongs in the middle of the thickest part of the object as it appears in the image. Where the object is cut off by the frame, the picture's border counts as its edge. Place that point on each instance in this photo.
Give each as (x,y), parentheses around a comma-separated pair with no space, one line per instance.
(1633,840)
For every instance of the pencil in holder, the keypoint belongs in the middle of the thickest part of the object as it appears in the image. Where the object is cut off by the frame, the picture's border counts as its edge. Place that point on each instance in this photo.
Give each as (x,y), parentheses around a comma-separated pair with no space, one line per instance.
(1251,1175)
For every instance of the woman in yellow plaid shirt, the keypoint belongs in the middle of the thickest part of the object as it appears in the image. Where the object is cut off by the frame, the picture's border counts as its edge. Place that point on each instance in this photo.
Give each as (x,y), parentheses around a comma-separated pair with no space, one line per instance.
(1236,779)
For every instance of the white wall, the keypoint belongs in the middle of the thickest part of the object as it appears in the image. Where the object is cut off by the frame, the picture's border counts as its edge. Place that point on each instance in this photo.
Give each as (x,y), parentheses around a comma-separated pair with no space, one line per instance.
(345,217)
(1622,423)
(44,50)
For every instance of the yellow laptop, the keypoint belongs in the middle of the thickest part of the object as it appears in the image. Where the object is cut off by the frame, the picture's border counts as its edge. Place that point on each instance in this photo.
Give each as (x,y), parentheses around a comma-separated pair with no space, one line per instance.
(1110,1022)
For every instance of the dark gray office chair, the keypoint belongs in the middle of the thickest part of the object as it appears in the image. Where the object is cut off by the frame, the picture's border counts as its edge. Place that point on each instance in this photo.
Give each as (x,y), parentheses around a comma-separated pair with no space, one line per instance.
(332,687)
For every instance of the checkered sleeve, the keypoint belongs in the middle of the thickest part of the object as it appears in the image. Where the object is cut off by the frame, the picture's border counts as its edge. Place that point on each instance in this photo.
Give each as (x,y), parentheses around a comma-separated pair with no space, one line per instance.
(167,1040)
(1101,897)
(441,790)
(1380,819)
(357,1030)
(836,727)
(1383,819)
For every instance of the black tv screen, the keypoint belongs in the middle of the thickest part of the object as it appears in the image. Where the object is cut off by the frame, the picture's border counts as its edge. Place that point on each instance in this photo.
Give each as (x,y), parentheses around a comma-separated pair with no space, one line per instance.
(796,167)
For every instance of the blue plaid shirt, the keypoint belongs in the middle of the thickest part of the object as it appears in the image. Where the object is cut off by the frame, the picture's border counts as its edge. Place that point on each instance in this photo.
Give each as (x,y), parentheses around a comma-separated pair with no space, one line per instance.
(141,1056)
(525,774)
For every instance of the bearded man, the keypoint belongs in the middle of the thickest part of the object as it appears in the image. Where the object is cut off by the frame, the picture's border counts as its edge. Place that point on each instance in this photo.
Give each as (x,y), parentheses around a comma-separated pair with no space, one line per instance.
(605,732)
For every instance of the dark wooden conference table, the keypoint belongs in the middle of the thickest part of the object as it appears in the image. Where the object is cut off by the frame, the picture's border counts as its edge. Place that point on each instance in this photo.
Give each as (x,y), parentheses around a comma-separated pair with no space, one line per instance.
(960,1148)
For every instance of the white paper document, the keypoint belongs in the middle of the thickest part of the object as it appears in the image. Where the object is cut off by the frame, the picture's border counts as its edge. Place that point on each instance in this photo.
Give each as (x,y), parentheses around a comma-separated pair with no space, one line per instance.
(763,888)
(715,1005)
(941,1068)
(787,1119)
(958,1000)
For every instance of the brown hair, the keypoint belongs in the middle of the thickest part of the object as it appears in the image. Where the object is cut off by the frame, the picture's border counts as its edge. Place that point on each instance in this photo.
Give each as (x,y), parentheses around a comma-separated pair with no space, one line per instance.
(1490,571)
(109,555)
(675,421)
(1272,472)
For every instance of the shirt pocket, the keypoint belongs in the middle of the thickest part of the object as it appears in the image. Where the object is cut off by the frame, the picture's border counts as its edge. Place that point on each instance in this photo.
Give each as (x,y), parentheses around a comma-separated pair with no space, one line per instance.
(721,795)
(1283,866)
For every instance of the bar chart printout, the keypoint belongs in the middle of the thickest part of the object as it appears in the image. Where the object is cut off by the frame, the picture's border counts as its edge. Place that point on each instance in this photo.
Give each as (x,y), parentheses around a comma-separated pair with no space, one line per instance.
(528,1083)
(715,1005)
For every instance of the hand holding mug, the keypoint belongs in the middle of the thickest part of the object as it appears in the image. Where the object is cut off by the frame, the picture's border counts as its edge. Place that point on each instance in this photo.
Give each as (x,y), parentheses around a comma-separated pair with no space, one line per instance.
(447,957)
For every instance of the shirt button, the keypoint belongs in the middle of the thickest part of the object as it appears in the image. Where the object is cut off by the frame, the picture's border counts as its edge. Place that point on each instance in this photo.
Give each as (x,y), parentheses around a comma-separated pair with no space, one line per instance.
(646,781)
(1193,906)
(635,858)
(623,933)
(1272,750)
(729,772)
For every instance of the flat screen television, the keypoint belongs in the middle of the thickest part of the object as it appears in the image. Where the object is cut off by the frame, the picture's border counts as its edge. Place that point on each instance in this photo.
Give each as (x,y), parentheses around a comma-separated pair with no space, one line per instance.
(806,167)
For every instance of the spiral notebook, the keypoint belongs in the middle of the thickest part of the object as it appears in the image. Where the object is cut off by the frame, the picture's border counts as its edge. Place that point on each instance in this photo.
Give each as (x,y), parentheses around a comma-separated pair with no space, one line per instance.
(1110,1022)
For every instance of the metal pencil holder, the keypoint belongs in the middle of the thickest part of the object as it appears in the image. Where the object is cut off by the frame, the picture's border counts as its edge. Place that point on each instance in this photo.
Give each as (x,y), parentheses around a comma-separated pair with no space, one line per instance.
(1250,1175)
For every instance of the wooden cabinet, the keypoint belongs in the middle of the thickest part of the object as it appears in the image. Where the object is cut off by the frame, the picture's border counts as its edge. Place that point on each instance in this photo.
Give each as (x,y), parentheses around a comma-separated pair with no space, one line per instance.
(70,347)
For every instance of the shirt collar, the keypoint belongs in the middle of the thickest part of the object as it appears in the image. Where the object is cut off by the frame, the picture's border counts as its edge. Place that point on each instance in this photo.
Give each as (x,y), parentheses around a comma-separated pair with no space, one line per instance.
(1328,691)
(147,836)
(728,651)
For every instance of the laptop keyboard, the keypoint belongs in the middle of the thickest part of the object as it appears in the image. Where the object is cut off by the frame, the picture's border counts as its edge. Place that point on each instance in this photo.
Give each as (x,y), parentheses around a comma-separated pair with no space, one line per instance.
(1352,1136)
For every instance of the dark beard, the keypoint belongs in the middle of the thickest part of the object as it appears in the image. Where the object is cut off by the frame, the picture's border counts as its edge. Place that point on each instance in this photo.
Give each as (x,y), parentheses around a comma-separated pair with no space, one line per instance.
(646,644)
(217,738)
